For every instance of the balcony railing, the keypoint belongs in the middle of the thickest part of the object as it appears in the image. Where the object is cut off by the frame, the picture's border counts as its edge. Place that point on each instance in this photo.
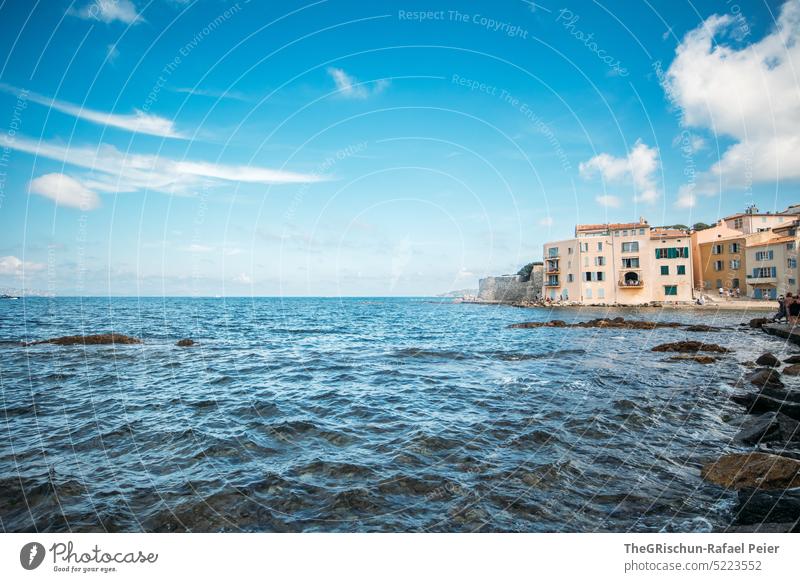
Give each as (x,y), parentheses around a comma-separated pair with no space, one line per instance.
(760,280)
(630,284)
(554,271)
(552,284)
(554,255)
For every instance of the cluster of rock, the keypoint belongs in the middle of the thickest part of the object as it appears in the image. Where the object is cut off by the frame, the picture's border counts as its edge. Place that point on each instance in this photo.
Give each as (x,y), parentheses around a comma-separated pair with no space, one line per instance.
(767,478)
(613,323)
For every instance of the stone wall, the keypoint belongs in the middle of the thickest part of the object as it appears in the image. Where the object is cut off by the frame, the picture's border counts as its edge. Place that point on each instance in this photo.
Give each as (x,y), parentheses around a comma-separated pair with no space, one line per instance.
(511,288)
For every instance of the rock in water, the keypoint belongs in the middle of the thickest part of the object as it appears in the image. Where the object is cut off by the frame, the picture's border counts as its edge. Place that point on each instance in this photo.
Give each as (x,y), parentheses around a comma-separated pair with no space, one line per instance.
(758,322)
(795,359)
(764,507)
(185,343)
(101,339)
(768,360)
(769,427)
(759,403)
(793,370)
(700,359)
(765,377)
(689,347)
(753,470)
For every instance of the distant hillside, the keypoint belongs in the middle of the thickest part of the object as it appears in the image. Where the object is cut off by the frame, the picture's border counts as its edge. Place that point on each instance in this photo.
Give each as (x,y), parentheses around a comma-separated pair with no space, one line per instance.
(460,293)
(12,292)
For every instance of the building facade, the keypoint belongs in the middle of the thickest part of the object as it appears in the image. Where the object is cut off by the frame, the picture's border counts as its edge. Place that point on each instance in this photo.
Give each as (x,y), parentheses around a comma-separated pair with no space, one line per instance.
(624,263)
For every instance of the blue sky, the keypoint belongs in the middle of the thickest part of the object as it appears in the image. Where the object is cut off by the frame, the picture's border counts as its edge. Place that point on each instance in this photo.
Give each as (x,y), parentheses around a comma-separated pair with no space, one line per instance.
(381,148)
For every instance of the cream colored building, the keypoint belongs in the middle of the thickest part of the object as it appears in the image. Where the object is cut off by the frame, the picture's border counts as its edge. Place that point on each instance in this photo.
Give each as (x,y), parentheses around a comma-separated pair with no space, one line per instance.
(624,263)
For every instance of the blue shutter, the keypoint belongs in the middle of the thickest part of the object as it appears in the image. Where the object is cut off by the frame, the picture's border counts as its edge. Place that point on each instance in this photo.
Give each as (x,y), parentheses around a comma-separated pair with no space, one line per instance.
(774,269)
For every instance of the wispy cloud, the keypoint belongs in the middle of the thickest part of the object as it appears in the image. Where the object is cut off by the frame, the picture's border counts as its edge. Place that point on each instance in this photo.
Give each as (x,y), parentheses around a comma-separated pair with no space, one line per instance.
(109,11)
(114,171)
(351,87)
(638,166)
(64,191)
(138,122)
(11,265)
(608,201)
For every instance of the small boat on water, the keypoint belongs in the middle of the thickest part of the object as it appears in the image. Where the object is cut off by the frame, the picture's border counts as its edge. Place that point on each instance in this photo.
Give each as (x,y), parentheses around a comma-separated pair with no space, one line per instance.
(4,296)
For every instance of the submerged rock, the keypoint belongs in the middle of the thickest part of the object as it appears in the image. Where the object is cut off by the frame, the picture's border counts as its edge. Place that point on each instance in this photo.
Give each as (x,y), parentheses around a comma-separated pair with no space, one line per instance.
(769,510)
(101,339)
(758,322)
(768,360)
(769,427)
(759,403)
(184,343)
(702,327)
(793,370)
(753,470)
(690,346)
(766,377)
(700,359)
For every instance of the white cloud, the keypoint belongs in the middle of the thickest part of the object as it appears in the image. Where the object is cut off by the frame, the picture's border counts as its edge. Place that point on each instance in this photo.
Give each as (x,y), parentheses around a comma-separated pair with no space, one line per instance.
(243,279)
(138,122)
(639,166)
(349,86)
(65,191)
(686,197)
(13,266)
(110,10)
(546,221)
(112,52)
(608,201)
(114,171)
(749,94)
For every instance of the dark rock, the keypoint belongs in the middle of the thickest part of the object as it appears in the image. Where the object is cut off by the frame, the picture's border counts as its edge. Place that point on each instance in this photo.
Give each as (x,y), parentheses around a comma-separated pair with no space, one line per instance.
(753,470)
(759,527)
(765,377)
(758,403)
(700,359)
(793,370)
(795,359)
(780,393)
(184,343)
(702,327)
(769,427)
(102,339)
(749,364)
(768,360)
(758,322)
(756,507)
(689,347)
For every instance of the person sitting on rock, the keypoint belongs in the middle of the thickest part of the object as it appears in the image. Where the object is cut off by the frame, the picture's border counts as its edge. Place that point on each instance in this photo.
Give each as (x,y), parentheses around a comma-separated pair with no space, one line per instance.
(781,315)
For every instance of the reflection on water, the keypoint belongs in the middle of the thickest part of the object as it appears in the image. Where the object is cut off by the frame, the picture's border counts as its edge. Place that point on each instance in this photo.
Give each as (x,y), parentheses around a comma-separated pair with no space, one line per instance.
(357,415)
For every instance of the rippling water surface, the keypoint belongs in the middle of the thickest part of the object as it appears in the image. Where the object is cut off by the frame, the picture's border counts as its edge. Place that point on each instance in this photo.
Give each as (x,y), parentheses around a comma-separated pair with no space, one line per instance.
(358,415)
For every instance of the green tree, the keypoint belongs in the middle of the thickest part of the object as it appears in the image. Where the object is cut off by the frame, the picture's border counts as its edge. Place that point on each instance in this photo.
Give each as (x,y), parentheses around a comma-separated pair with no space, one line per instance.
(700,226)
(525,272)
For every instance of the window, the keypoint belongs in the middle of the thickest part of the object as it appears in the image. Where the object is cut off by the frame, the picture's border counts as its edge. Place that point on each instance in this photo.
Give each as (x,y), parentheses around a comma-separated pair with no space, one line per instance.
(624,233)
(601,293)
(716,250)
(764,255)
(564,295)
(599,247)
(790,246)
(735,248)
(670,289)
(616,233)
(665,270)
(737,223)
(552,281)
(764,272)
(719,283)
(641,231)
(588,292)
(569,251)
(673,253)
(631,263)
(792,282)
(719,265)
(552,252)
(630,247)
(791,263)
(735,283)
(681,269)
(599,261)
(584,247)
(600,276)
(587,275)
(735,264)
(570,278)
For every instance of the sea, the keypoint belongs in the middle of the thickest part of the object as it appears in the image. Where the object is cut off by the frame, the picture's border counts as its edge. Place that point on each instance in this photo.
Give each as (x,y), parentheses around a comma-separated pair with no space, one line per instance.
(361,415)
